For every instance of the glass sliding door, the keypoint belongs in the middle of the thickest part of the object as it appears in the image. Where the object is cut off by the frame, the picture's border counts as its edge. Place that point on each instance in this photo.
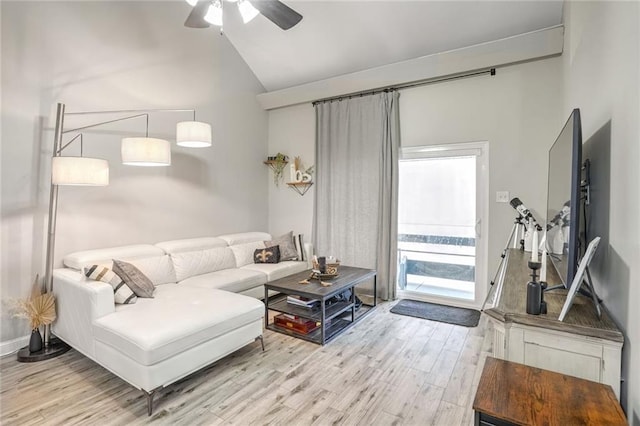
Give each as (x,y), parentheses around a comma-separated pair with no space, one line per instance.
(440,216)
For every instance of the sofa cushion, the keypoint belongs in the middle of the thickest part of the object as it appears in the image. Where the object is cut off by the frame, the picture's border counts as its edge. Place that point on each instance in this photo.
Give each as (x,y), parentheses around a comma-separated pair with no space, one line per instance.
(236,280)
(245,237)
(276,271)
(159,269)
(191,263)
(191,244)
(138,282)
(80,259)
(178,318)
(244,252)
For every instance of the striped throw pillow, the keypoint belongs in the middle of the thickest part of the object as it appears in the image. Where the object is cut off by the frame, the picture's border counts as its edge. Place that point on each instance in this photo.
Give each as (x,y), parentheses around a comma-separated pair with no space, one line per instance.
(121,292)
(297,241)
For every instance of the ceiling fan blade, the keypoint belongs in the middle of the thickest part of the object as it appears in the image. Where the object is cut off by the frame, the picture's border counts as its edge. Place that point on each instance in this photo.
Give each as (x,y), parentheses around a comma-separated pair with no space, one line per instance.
(196,17)
(277,12)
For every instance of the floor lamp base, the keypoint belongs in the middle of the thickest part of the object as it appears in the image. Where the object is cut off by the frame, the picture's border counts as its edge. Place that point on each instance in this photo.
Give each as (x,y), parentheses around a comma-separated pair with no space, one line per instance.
(56,348)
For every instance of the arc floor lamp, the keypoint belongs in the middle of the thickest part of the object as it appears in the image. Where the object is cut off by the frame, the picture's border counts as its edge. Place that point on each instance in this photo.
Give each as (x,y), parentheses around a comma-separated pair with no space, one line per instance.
(87,171)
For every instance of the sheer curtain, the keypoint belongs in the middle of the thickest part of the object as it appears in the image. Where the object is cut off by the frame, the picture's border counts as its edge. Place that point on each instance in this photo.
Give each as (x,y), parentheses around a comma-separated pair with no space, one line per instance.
(355,220)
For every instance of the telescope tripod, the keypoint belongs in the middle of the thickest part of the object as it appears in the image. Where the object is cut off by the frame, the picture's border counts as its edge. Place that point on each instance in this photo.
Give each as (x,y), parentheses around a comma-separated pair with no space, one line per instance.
(516,237)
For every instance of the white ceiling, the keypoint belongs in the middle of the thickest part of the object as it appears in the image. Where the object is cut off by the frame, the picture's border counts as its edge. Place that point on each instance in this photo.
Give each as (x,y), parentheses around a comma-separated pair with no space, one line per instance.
(339,37)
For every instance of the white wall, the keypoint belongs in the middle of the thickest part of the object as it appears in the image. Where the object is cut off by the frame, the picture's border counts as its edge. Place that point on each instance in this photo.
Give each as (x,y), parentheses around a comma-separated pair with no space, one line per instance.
(292,131)
(122,55)
(517,111)
(602,78)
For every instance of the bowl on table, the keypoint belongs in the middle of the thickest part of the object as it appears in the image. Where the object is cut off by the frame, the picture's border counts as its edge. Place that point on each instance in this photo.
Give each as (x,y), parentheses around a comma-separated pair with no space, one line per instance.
(332,268)
(330,271)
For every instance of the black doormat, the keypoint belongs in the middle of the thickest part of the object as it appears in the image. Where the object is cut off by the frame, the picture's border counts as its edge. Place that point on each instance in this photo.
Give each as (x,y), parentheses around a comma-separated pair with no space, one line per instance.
(435,312)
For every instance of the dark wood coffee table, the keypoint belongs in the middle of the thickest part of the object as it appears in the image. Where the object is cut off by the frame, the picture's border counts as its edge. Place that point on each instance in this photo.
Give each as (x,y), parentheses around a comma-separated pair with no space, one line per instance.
(330,316)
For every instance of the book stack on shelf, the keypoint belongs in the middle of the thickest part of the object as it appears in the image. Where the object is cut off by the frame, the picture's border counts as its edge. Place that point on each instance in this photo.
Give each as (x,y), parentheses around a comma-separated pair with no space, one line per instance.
(303,302)
(296,323)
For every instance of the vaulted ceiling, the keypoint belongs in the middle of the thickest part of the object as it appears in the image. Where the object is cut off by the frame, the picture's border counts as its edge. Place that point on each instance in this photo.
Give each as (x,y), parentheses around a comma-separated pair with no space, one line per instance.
(339,37)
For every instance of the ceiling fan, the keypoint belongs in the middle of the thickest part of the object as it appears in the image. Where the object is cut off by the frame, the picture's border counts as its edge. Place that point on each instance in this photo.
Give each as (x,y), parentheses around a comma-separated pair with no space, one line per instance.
(209,12)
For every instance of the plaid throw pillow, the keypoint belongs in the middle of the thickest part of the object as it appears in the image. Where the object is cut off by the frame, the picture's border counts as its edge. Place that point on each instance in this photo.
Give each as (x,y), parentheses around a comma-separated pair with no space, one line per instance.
(122,294)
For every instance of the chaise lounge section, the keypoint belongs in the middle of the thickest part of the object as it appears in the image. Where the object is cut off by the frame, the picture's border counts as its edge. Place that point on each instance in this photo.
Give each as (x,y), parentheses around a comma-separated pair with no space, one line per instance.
(205,306)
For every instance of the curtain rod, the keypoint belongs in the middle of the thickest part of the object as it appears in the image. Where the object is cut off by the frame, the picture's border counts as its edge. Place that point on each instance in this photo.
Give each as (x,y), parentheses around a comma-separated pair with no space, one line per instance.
(490,71)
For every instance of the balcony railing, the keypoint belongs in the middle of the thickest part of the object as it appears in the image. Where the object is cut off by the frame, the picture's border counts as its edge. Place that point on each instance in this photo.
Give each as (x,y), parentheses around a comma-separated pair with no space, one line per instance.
(437,264)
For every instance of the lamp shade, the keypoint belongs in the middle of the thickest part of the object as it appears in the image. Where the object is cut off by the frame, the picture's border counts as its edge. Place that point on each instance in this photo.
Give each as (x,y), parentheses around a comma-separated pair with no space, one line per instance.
(79,171)
(193,134)
(145,152)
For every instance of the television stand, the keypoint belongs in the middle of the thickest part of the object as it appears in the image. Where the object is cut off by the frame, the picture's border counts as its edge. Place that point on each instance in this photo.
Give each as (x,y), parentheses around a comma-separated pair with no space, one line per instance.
(582,345)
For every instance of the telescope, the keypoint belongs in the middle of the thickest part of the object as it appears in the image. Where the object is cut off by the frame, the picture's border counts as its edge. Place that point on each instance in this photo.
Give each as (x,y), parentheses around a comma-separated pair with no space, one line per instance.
(524,212)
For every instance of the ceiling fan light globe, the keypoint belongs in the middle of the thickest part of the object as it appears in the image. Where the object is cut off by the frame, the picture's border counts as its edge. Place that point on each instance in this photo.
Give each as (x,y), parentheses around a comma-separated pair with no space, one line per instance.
(191,2)
(214,14)
(247,11)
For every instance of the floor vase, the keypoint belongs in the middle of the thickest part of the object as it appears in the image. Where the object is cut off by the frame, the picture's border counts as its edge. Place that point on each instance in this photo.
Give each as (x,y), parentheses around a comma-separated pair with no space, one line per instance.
(35,343)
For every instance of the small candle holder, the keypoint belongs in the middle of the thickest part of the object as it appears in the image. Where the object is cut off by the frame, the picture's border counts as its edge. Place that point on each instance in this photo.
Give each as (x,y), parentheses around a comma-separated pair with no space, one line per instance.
(534,266)
(543,304)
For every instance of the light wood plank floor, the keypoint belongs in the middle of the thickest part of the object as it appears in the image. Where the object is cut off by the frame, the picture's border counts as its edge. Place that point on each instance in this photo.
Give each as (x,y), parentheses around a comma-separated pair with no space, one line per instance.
(387,370)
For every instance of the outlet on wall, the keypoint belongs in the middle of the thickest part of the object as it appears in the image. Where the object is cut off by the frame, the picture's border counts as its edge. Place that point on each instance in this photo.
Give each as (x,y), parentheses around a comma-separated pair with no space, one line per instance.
(502,196)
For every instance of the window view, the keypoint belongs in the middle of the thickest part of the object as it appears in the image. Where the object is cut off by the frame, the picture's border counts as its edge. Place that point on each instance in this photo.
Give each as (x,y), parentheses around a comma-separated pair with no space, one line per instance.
(436,226)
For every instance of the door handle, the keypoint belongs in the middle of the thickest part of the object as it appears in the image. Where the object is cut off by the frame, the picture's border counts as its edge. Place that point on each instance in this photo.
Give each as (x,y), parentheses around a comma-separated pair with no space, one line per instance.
(478,221)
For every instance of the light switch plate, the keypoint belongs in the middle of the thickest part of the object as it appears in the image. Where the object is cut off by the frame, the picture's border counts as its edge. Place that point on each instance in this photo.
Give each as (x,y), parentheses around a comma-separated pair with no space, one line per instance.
(502,196)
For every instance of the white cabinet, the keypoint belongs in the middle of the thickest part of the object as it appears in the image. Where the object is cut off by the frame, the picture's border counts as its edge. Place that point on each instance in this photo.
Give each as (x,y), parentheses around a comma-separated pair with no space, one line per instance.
(579,356)
(582,346)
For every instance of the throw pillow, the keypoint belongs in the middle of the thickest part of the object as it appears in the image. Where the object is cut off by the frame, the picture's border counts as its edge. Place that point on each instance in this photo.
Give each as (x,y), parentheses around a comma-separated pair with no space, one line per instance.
(287,247)
(267,255)
(297,240)
(122,294)
(136,280)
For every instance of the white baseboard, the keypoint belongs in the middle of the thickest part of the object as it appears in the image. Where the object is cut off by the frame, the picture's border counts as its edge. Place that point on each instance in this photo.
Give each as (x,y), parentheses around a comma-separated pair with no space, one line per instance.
(14,345)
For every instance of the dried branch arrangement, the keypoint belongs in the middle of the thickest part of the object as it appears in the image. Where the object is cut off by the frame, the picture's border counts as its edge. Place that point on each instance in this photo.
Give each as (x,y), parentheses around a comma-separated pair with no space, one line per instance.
(39,309)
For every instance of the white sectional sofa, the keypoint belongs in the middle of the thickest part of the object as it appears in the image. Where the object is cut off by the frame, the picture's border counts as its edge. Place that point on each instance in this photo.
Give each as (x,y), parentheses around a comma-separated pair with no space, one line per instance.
(205,306)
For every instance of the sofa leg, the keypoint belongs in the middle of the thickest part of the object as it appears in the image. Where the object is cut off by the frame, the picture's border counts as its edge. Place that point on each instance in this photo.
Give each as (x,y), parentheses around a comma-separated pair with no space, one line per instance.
(150,396)
(261,342)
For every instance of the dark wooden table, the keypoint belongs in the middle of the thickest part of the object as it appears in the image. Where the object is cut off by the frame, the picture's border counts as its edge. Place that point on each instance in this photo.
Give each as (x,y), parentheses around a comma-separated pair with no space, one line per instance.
(515,394)
(331,318)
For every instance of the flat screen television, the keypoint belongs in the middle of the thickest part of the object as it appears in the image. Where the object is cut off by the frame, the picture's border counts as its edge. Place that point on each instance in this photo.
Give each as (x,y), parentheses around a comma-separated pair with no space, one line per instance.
(563,199)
